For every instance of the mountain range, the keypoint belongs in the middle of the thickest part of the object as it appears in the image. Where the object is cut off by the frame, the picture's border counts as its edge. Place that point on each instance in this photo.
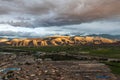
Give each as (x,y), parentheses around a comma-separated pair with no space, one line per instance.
(56,41)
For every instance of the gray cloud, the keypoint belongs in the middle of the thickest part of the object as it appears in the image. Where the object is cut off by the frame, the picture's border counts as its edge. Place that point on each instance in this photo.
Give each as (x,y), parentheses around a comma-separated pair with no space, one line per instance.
(97,27)
(78,10)
(49,17)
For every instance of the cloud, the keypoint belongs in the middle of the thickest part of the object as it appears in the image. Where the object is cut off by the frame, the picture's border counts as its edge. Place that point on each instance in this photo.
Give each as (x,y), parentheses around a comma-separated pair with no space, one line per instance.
(99,27)
(38,18)
(61,12)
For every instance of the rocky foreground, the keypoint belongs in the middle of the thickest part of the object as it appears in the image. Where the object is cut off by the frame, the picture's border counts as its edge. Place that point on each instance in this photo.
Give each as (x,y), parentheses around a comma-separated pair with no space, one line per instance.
(27,67)
(55,41)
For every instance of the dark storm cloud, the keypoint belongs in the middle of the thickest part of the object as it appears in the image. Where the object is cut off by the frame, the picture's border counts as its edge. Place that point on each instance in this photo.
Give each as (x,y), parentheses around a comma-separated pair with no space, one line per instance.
(77,10)
(49,17)
(26,7)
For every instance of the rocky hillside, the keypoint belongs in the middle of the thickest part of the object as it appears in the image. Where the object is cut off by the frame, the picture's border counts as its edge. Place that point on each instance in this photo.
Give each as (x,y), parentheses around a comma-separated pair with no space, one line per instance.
(55,41)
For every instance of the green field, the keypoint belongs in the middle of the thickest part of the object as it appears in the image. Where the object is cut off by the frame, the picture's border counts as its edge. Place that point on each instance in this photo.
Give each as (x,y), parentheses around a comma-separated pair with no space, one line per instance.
(102,51)
(115,67)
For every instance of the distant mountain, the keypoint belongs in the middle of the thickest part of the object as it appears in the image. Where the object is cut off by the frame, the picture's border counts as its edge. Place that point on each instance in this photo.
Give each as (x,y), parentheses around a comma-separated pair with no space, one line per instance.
(106,36)
(96,35)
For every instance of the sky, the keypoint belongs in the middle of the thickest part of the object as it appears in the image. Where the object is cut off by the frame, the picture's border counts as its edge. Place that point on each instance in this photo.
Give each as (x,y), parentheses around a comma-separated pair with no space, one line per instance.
(39,18)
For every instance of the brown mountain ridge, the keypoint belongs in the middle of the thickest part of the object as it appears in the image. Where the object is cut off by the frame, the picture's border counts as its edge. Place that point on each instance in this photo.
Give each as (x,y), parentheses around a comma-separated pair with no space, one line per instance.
(55,41)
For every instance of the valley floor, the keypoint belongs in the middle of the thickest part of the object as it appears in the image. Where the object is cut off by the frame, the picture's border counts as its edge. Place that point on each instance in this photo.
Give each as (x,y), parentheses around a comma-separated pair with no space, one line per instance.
(28,67)
(94,62)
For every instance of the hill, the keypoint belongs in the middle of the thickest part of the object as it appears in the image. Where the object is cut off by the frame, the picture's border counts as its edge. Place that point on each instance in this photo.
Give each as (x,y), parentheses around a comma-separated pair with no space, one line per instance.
(56,41)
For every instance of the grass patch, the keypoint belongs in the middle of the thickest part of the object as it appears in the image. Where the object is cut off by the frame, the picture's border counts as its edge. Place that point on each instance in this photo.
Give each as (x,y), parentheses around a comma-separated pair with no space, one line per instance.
(106,52)
(115,67)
